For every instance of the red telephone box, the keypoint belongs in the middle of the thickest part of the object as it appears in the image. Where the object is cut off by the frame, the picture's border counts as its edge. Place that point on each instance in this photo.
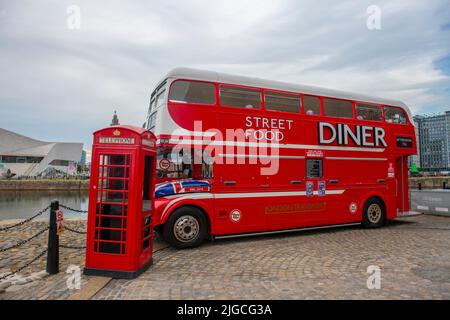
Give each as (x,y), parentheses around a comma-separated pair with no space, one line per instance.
(121,202)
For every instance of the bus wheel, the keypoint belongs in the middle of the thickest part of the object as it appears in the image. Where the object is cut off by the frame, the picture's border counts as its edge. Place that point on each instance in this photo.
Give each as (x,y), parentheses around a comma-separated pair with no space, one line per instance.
(185,228)
(374,213)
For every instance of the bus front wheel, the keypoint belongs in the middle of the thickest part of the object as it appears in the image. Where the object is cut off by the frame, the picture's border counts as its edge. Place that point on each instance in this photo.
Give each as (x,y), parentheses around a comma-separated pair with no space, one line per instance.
(374,213)
(185,228)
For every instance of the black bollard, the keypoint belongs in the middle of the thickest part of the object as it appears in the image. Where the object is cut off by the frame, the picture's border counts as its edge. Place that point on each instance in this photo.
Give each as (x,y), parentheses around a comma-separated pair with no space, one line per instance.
(444,185)
(53,241)
(420,186)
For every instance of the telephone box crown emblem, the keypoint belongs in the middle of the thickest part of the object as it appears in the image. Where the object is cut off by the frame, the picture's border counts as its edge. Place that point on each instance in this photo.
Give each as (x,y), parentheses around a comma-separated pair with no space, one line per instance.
(116,132)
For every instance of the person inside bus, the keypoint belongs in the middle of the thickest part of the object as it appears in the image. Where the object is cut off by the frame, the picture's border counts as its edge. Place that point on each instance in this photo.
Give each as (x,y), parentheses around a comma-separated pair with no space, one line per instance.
(187,173)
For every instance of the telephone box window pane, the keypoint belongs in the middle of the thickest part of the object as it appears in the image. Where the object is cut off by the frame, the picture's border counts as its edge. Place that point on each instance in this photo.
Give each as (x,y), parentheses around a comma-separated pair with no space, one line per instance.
(113,209)
(107,222)
(368,112)
(115,159)
(146,232)
(338,108)
(314,168)
(110,235)
(107,247)
(114,196)
(114,172)
(282,102)
(146,244)
(240,97)
(113,184)
(193,92)
(311,105)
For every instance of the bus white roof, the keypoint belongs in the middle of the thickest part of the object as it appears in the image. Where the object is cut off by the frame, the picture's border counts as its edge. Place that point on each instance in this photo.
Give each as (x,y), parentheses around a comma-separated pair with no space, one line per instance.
(197,74)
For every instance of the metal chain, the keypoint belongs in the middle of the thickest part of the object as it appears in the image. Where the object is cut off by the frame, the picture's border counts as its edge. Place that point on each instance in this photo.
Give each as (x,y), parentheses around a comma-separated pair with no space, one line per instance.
(25,221)
(24,266)
(71,247)
(72,209)
(18,244)
(74,230)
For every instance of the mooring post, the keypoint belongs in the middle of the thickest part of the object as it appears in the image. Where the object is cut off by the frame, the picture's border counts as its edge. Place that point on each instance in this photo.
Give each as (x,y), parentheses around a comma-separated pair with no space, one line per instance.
(53,241)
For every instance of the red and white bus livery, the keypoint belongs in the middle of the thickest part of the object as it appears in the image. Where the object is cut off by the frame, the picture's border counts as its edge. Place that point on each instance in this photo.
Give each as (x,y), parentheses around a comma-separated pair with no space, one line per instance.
(240,155)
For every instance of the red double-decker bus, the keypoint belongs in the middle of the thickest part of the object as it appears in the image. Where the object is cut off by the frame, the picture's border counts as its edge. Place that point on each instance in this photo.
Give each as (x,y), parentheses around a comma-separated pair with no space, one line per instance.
(240,155)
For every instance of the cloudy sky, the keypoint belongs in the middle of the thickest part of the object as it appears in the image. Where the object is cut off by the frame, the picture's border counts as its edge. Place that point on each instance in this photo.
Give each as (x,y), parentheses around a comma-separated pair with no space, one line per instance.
(60,83)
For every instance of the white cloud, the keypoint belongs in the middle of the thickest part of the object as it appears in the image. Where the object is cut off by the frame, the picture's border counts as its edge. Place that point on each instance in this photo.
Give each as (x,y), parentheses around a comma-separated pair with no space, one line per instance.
(66,83)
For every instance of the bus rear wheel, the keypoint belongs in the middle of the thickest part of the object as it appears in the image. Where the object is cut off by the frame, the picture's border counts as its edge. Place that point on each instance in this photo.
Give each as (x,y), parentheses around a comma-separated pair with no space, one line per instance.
(374,213)
(185,228)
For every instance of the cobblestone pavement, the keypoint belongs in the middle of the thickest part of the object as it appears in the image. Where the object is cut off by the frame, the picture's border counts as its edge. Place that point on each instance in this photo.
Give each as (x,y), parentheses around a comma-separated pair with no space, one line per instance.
(17,257)
(413,254)
(53,287)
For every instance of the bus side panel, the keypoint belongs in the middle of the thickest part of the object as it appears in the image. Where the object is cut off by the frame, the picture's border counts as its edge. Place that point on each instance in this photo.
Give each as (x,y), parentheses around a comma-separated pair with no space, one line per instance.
(361,179)
(234,183)
(238,215)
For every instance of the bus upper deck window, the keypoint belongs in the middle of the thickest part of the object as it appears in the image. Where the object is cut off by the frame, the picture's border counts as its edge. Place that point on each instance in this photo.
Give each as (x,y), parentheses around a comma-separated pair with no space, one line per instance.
(152,103)
(160,98)
(368,112)
(311,105)
(282,102)
(240,97)
(394,115)
(192,92)
(338,108)
(151,122)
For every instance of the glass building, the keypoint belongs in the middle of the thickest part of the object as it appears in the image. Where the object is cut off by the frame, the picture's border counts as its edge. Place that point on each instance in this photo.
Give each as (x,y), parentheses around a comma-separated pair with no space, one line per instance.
(434,141)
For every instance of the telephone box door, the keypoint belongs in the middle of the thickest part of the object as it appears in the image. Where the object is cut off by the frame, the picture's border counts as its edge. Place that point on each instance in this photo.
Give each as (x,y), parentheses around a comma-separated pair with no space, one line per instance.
(148,192)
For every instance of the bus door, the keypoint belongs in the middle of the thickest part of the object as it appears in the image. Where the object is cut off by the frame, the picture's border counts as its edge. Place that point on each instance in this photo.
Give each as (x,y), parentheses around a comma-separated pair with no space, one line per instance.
(295,210)
(401,175)
(331,188)
(310,195)
(238,202)
(314,199)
